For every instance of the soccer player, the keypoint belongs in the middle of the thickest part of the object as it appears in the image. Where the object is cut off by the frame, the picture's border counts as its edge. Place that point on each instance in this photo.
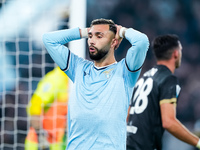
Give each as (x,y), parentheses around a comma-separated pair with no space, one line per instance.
(154,99)
(48,113)
(102,87)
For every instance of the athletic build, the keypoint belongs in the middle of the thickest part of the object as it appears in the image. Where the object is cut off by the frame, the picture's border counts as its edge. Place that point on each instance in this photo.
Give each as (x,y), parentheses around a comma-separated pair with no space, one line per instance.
(98,106)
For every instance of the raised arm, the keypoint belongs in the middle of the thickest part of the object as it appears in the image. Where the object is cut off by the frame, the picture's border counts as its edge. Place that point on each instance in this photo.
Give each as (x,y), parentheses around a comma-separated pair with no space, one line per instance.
(54,43)
(136,54)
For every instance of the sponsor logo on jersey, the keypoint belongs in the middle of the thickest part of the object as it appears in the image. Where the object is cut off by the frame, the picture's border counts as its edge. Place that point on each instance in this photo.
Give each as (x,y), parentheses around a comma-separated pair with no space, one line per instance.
(86,73)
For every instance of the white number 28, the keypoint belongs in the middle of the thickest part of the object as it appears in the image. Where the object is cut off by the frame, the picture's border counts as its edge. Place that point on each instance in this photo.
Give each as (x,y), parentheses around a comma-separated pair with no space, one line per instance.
(140,98)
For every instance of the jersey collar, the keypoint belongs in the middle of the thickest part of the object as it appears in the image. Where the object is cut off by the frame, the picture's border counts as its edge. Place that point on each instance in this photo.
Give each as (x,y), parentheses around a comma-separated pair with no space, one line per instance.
(100,68)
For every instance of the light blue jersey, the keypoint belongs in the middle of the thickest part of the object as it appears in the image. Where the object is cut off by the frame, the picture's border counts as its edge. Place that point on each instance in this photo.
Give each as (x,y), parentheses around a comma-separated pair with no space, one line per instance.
(99,102)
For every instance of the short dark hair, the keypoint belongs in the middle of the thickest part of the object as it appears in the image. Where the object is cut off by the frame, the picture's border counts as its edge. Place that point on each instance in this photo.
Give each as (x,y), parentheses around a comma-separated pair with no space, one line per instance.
(112,26)
(164,45)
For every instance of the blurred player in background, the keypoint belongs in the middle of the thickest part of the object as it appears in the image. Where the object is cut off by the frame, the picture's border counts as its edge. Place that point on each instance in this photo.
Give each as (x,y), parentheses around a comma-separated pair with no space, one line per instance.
(102,89)
(153,104)
(48,113)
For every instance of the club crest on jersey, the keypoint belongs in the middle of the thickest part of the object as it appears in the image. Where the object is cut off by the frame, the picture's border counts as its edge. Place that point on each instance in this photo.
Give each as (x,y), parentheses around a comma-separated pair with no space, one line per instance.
(107,73)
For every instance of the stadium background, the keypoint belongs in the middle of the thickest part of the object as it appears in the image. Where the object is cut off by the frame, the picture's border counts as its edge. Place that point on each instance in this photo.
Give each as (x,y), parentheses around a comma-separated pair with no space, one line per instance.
(24,60)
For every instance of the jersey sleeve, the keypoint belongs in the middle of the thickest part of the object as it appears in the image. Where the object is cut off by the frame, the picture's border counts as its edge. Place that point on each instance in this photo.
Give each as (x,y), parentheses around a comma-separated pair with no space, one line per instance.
(72,65)
(54,43)
(136,54)
(169,90)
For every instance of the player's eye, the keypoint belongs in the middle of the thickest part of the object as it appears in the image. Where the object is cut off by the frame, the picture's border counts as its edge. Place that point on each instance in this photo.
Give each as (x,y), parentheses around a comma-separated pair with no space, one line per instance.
(99,36)
(90,36)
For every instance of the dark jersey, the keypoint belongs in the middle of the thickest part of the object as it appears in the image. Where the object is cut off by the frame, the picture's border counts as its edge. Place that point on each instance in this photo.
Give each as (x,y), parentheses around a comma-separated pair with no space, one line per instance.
(144,128)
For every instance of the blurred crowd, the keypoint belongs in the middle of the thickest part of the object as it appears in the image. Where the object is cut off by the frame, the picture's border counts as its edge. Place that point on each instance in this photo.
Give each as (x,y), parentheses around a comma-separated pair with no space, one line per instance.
(154,18)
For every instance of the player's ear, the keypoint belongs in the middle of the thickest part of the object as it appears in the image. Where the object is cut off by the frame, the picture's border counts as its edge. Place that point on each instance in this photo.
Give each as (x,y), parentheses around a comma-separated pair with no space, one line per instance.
(176,54)
(117,43)
(114,43)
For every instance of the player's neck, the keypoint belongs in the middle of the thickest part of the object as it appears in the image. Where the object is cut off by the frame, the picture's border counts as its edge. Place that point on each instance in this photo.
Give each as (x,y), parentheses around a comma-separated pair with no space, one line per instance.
(169,64)
(105,61)
(103,64)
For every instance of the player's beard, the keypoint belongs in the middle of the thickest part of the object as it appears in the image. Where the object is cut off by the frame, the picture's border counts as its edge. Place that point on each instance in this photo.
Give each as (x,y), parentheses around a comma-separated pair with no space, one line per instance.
(178,63)
(98,55)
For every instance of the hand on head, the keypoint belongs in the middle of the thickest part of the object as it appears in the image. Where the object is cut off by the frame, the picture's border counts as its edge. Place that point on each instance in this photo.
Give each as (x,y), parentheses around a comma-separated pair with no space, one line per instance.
(119,39)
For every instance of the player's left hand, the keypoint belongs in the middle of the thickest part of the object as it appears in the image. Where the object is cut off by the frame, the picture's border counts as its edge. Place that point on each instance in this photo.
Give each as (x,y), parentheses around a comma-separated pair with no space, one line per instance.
(119,39)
